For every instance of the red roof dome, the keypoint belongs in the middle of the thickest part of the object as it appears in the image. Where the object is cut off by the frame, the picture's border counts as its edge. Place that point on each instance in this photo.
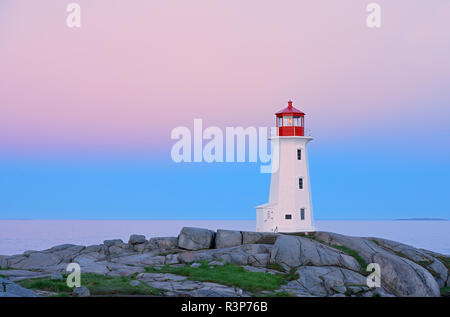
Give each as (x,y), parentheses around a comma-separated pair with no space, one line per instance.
(290,110)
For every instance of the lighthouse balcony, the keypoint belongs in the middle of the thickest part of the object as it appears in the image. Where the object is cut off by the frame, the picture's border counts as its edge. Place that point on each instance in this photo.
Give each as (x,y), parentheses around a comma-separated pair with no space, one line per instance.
(291,131)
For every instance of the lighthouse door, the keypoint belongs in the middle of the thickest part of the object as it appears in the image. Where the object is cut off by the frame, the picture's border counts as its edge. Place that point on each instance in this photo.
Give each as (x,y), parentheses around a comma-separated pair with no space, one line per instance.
(268,219)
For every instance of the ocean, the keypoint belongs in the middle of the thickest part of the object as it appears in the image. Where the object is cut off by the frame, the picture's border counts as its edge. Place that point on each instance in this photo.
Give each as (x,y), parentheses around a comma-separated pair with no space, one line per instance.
(17,236)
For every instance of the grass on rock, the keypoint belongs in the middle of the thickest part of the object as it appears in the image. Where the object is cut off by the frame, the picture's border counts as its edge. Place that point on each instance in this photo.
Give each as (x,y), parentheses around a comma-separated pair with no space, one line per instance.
(276,267)
(227,274)
(354,254)
(445,291)
(96,283)
(445,261)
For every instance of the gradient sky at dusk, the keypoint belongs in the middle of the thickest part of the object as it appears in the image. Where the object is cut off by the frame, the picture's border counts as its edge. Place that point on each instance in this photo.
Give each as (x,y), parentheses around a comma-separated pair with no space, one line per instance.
(86,114)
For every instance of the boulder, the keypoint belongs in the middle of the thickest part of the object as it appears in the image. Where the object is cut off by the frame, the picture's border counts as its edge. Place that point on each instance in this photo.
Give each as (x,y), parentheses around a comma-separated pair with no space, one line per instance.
(19,273)
(195,238)
(81,291)
(399,276)
(36,261)
(11,289)
(252,254)
(259,237)
(95,267)
(176,285)
(140,247)
(166,243)
(326,280)
(123,270)
(136,239)
(142,259)
(431,263)
(117,250)
(10,261)
(93,248)
(293,251)
(65,252)
(258,260)
(171,259)
(228,238)
(89,258)
(112,242)
(135,283)
(191,256)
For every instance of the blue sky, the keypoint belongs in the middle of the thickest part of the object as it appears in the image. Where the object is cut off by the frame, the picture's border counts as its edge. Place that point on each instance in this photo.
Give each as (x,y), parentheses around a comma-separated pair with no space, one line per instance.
(354,180)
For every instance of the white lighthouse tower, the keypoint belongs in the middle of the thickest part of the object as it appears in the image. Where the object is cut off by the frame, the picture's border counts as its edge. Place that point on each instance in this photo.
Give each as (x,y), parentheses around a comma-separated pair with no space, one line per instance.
(289,208)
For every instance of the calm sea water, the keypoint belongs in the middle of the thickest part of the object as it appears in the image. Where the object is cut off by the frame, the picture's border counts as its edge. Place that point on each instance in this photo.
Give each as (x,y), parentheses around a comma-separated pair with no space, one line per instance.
(17,236)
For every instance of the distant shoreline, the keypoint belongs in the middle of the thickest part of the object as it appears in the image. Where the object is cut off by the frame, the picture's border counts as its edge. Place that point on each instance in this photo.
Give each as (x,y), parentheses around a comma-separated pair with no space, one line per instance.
(420,219)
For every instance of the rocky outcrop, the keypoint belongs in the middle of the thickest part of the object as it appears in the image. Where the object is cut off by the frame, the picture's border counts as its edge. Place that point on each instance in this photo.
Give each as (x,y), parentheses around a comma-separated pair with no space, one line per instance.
(136,239)
(11,289)
(329,280)
(423,258)
(81,291)
(163,243)
(321,264)
(195,238)
(399,275)
(249,254)
(176,285)
(259,237)
(228,238)
(292,252)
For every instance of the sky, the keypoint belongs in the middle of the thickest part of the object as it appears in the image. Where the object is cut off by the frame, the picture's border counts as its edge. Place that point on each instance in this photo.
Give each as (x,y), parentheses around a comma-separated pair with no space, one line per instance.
(86,113)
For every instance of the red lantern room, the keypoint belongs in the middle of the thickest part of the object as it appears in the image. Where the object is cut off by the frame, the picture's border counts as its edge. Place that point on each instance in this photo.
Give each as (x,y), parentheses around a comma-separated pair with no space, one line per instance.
(290,121)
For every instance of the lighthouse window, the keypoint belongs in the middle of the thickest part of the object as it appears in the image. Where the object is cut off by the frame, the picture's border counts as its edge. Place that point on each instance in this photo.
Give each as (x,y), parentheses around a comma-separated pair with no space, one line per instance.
(299,154)
(302,213)
(287,217)
(288,121)
(280,122)
(300,183)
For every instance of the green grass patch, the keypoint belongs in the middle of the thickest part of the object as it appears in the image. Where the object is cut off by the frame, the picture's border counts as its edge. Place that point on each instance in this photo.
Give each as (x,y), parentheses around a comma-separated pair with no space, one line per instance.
(376,242)
(445,261)
(310,235)
(445,291)
(276,267)
(291,275)
(354,254)
(228,274)
(46,284)
(96,283)
(424,263)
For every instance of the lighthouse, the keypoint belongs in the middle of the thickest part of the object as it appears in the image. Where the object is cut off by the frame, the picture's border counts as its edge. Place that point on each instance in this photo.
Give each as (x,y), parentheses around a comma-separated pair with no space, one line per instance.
(289,208)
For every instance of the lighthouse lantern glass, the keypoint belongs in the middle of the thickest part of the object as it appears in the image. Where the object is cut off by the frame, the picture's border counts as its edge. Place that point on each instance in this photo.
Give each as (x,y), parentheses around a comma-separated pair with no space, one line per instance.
(288,121)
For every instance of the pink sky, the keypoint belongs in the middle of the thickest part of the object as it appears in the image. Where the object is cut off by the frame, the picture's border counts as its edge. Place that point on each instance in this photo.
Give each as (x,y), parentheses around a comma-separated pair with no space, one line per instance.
(136,69)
